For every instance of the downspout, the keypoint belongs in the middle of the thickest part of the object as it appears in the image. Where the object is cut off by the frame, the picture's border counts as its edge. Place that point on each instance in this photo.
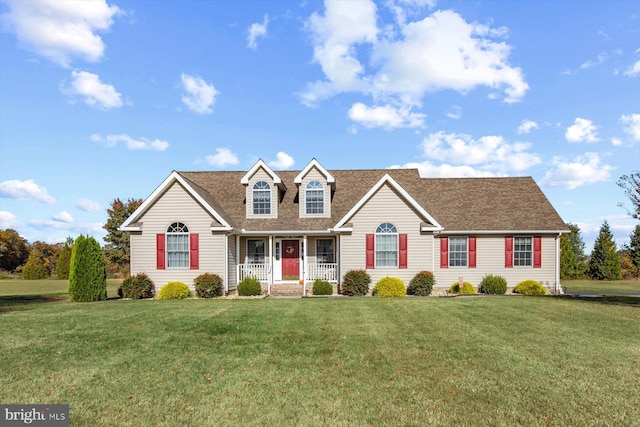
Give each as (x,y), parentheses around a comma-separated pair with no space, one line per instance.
(558,287)
(338,259)
(226,264)
(237,260)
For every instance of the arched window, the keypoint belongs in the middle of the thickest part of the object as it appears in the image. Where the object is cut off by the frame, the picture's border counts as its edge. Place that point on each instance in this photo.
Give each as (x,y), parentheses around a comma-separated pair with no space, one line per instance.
(386,245)
(261,198)
(314,197)
(177,246)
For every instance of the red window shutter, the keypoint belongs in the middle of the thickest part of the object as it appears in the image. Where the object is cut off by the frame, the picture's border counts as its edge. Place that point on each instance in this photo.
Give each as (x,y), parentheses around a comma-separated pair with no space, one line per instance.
(194,251)
(537,252)
(371,252)
(444,252)
(403,250)
(160,252)
(472,252)
(508,252)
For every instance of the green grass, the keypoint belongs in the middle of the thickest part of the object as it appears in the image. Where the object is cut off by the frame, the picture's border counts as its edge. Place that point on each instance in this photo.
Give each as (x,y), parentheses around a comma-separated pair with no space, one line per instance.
(499,361)
(47,287)
(603,286)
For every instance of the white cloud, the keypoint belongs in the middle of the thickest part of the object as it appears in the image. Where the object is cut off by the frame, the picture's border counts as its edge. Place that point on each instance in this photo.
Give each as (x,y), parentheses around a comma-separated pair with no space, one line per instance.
(96,93)
(632,125)
(25,190)
(223,157)
(8,220)
(385,116)
(591,63)
(586,169)
(582,130)
(199,95)
(429,170)
(132,144)
(455,112)
(257,31)
(284,161)
(88,205)
(60,30)
(633,70)
(402,9)
(616,142)
(526,126)
(492,153)
(63,216)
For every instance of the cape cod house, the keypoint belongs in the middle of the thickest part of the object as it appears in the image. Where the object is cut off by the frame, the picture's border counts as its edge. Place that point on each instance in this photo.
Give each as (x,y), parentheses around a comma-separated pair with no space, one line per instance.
(288,228)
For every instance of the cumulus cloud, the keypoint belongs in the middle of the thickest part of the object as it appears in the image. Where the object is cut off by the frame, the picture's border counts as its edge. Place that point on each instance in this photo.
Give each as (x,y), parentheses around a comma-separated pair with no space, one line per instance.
(386,116)
(8,220)
(633,70)
(199,95)
(429,170)
(582,130)
(284,161)
(25,190)
(63,216)
(88,205)
(223,157)
(631,124)
(489,153)
(131,143)
(96,93)
(582,170)
(256,31)
(399,66)
(527,126)
(60,30)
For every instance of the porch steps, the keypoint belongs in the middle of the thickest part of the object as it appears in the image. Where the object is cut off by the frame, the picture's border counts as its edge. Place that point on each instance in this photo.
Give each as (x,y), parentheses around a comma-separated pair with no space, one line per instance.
(287,290)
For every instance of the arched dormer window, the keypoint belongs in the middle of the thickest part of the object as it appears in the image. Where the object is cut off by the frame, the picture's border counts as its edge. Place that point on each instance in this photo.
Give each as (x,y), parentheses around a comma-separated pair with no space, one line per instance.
(386,245)
(314,198)
(261,198)
(177,245)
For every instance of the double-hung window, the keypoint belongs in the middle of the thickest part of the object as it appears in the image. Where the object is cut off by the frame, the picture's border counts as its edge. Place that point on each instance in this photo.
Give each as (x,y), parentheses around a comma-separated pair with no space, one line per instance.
(325,252)
(457,251)
(261,198)
(522,251)
(177,246)
(314,196)
(386,245)
(256,251)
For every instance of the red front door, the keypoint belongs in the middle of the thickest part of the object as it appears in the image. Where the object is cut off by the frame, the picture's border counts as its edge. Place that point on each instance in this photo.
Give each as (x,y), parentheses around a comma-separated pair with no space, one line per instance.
(290,260)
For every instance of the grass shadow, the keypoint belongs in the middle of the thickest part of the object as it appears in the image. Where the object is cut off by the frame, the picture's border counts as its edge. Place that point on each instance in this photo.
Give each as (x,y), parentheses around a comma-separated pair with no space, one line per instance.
(27,302)
(633,301)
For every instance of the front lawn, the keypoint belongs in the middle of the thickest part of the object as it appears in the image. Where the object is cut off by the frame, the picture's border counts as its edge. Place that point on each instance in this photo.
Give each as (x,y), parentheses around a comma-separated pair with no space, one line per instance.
(47,287)
(602,286)
(434,361)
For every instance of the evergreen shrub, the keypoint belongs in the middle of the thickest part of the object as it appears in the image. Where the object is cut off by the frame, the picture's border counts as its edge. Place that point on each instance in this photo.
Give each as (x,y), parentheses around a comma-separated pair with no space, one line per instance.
(208,285)
(87,271)
(62,266)
(249,286)
(530,287)
(174,290)
(390,287)
(34,269)
(356,283)
(467,289)
(322,287)
(421,284)
(493,285)
(137,287)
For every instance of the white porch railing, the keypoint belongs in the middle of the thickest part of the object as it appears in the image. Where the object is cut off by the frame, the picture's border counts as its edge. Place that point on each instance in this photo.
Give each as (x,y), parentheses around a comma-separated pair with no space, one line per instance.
(328,272)
(259,271)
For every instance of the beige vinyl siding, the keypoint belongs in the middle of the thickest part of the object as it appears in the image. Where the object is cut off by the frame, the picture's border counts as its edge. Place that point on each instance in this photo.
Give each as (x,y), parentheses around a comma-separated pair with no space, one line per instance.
(386,206)
(262,175)
(232,262)
(176,205)
(490,260)
(314,175)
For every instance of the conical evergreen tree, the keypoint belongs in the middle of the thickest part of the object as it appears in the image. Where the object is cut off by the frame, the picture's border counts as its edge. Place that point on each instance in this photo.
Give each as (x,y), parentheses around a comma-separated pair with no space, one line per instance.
(605,260)
(572,257)
(62,266)
(634,248)
(87,271)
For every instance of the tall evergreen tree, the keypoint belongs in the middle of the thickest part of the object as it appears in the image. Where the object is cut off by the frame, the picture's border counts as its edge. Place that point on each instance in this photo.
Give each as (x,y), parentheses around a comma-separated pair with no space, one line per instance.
(634,248)
(117,248)
(572,257)
(87,271)
(64,260)
(605,260)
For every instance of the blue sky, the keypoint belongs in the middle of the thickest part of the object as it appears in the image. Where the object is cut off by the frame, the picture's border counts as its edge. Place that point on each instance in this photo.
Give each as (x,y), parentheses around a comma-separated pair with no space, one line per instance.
(100,100)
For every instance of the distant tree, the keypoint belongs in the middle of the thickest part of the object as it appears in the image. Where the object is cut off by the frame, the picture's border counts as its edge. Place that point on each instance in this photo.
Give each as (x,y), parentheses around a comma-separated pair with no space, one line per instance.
(14,250)
(64,259)
(117,248)
(572,257)
(35,268)
(634,249)
(605,260)
(631,185)
(87,273)
(48,252)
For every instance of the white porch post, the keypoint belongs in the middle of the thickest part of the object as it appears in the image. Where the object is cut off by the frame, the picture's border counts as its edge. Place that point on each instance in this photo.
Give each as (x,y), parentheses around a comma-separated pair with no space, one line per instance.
(237,259)
(337,260)
(304,265)
(270,273)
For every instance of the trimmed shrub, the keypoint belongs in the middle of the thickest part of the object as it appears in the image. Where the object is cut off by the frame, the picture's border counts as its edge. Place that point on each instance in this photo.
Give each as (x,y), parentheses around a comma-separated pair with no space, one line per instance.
(421,284)
(356,283)
(467,289)
(34,269)
(322,287)
(137,287)
(250,286)
(390,287)
(87,271)
(530,287)
(493,285)
(174,290)
(208,285)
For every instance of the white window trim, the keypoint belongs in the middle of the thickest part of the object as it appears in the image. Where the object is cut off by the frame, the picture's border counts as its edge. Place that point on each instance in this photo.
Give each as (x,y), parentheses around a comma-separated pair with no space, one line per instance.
(267,190)
(264,258)
(306,198)
(375,246)
(466,265)
(513,252)
(334,251)
(166,244)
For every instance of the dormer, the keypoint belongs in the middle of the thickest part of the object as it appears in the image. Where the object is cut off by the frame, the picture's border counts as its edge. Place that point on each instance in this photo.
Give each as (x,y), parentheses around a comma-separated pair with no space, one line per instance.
(262,191)
(315,186)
